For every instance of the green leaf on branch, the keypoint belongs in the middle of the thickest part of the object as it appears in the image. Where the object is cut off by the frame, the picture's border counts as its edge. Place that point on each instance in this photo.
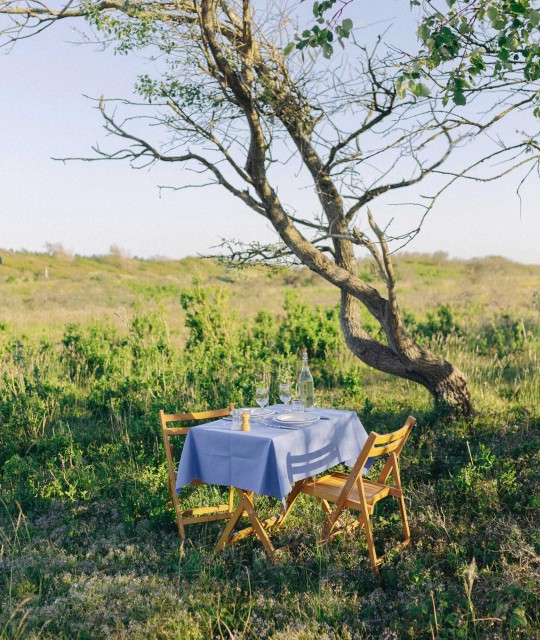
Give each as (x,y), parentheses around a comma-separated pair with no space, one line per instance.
(424,32)
(492,14)
(401,87)
(328,50)
(459,98)
(420,89)
(289,49)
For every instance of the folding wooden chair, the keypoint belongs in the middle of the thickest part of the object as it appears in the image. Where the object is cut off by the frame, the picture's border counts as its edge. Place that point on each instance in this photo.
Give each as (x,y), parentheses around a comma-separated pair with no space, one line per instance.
(199,514)
(352,491)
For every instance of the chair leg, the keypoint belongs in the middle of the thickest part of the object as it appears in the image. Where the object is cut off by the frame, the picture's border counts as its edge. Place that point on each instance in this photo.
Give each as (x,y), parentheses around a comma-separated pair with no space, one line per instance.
(403,513)
(370,543)
(257,525)
(325,506)
(291,499)
(330,524)
(238,513)
(326,533)
(178,512)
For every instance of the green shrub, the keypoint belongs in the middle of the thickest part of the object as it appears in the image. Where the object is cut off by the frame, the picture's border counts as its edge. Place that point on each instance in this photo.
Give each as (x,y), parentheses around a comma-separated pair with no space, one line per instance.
(92,352)
(209,317)
(439,325)
(306,327)
(503,334)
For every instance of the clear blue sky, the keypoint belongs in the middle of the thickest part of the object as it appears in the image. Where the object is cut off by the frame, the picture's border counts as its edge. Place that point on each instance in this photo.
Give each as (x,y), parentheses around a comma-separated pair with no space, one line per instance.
(90,206)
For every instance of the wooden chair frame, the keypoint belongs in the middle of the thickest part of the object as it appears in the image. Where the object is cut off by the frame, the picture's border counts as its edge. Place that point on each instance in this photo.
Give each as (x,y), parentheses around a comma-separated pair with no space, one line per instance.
(353,491)
(258,527)
(198,514)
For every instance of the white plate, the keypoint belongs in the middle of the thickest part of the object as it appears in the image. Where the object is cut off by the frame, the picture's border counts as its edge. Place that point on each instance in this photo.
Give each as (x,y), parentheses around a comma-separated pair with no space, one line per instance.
(296,418)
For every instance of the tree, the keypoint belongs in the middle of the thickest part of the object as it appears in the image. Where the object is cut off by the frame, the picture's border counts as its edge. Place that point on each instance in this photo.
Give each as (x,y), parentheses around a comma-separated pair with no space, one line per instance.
(479,43)
(233,107)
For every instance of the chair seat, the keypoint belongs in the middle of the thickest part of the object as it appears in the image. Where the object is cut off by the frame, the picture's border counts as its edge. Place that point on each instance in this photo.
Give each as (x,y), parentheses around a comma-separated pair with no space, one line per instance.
(330,486)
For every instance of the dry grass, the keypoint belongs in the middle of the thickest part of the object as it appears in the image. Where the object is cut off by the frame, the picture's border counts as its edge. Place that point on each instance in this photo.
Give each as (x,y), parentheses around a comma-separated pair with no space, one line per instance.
(79,289)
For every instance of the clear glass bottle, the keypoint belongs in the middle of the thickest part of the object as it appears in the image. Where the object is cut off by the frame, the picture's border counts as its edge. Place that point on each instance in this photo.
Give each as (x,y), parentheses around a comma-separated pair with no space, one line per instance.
(305,383)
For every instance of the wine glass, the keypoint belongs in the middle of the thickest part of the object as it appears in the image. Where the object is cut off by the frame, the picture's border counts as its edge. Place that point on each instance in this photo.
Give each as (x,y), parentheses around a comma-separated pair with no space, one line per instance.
(261,396)
(285,392)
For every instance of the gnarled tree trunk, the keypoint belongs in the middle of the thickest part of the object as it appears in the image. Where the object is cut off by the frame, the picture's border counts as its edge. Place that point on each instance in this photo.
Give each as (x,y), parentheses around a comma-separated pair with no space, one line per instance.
(446,383)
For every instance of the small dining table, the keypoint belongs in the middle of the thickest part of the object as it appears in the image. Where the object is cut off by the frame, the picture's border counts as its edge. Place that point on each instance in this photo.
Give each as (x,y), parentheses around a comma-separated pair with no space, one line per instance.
(272,460)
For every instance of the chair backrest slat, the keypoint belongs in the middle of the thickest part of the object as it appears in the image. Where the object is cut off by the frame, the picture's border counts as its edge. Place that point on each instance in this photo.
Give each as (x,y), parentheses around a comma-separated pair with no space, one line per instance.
(388,442)
(385,438)
(167,432)
(387,448)
(196,415)
(176,431)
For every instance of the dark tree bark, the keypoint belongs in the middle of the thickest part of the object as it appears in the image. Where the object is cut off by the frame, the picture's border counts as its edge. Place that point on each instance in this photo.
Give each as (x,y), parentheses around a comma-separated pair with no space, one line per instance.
(446,383)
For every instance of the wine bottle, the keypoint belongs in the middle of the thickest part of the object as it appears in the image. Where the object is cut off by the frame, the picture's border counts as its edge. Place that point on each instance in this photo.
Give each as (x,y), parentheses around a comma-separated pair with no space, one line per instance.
(305,383)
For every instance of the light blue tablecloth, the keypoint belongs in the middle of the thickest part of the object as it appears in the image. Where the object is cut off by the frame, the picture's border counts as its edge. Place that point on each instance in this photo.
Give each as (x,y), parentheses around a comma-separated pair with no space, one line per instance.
(268,460)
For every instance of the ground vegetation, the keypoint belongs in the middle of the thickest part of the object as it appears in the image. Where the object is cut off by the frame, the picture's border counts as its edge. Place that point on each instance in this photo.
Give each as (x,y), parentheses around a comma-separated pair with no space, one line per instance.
(88,545)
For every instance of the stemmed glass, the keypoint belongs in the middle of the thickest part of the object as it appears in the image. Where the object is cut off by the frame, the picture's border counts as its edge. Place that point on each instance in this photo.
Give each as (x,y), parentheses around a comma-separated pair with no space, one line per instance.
(261,396)
(285,392)
(285,386)
(261,389)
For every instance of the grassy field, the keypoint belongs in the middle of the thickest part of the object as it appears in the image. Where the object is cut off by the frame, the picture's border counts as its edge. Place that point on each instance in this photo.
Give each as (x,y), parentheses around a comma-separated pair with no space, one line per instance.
(78,289)
(92,348)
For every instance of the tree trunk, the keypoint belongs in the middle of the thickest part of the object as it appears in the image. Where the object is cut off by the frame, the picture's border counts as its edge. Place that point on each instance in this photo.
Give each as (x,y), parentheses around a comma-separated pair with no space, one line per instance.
(450,389)
(406,359)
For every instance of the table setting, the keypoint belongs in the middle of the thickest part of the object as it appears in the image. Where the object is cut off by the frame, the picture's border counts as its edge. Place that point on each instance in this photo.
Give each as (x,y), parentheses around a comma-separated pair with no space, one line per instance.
(270,450)
(277,416)
(292,414)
